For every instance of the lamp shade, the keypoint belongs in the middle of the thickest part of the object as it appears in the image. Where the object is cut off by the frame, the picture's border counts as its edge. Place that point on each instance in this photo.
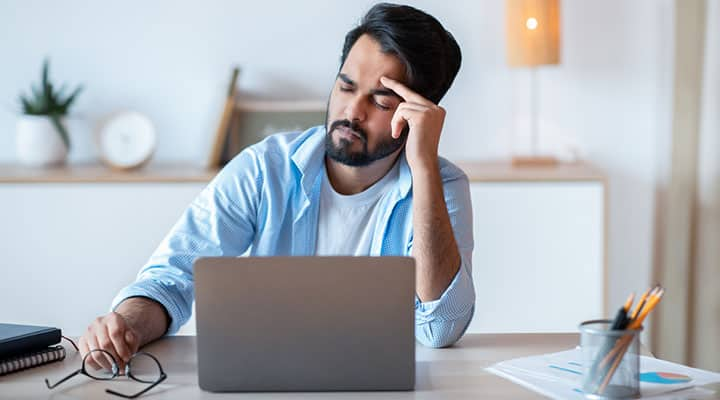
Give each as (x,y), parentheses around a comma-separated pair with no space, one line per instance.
(533,32)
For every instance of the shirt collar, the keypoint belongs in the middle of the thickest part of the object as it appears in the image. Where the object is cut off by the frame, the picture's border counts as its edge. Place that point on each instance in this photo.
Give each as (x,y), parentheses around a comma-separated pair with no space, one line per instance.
(309,157)
(405,177)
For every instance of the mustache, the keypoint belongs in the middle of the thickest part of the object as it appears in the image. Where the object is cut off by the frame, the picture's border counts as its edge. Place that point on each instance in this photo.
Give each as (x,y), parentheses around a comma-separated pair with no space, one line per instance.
(353,126)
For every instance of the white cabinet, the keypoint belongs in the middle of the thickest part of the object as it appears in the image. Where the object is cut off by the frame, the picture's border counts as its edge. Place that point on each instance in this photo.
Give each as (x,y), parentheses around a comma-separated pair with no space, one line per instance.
(539,259)
(71,239)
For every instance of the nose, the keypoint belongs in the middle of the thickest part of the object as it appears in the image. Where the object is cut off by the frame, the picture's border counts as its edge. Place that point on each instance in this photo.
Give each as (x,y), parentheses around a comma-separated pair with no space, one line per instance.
(355,109)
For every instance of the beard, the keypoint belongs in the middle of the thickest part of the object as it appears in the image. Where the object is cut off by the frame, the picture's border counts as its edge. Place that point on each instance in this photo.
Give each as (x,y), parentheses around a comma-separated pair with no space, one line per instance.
(342,152)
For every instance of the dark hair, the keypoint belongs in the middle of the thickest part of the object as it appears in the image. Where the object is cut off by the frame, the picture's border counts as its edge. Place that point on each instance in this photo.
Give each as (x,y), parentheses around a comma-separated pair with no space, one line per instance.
(430,54)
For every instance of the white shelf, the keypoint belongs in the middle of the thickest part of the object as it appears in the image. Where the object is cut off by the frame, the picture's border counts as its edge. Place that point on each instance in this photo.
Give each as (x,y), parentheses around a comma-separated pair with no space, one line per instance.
(280,105)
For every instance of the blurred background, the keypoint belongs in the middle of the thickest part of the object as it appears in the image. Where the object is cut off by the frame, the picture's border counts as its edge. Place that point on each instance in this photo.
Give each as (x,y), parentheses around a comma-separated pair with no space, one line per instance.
(636,94)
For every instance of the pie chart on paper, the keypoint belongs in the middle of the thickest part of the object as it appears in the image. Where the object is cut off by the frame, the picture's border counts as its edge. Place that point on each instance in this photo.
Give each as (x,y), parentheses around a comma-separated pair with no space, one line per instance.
(665,378)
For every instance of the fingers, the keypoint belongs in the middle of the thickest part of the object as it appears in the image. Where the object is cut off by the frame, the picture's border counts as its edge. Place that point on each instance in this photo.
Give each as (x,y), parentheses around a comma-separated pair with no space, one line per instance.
(84,349)
(96,359)
(403,91)
(111,345)
(133,341)
(116,329)
(397,124)
(414,107)
(105,343)
(403,115)
(112,334)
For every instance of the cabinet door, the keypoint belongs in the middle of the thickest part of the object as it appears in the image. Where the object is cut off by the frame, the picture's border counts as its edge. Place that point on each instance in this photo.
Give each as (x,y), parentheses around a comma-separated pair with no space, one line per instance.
(538,263)
(68,249)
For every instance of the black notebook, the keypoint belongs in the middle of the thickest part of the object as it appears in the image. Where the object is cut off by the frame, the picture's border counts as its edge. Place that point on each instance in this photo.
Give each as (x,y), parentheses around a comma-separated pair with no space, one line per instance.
(18,340)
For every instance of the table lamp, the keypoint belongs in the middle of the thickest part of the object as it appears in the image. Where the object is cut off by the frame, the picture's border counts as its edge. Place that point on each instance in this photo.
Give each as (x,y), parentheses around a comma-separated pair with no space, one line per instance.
(533,39)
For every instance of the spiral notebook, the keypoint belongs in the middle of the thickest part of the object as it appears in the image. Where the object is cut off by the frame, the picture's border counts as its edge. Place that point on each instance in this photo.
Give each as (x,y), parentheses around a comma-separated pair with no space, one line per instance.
(44,356)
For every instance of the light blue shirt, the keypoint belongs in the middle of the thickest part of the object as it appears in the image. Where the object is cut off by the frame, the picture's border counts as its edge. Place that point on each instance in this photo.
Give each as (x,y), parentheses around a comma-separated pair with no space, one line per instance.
(265,202)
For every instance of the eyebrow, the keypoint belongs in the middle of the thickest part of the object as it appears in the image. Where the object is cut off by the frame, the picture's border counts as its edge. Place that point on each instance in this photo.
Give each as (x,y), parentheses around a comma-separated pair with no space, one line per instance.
(346,79)
(374,92)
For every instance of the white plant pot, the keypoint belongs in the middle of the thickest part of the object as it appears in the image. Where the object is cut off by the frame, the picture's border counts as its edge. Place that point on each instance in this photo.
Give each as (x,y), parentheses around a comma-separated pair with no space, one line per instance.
(38,143)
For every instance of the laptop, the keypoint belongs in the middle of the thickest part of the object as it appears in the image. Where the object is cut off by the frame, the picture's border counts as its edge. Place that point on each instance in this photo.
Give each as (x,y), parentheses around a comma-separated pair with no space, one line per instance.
(305,323)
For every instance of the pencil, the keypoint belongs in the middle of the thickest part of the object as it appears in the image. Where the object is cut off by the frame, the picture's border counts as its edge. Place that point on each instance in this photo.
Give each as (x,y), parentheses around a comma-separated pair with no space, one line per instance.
(636,323)
(651,304)
(618,352)
(640,304)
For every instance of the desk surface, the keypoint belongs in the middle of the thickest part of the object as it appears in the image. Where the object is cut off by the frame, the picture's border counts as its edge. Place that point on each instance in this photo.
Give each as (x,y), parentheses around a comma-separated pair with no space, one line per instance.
(452,373)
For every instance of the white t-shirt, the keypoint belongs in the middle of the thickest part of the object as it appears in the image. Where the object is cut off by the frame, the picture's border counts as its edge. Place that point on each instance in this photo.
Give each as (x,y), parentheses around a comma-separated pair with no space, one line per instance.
(346,222)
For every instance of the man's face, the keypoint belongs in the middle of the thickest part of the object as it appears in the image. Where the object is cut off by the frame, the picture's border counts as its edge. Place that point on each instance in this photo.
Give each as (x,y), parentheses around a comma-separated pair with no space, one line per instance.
(360,108)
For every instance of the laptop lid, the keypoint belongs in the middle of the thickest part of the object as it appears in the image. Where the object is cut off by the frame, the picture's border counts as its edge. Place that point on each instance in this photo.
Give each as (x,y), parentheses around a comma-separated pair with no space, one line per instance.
(305,323)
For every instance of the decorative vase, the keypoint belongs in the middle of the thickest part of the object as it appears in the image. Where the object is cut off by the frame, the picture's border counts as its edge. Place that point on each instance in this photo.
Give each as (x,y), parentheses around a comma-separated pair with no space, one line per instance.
(38,143)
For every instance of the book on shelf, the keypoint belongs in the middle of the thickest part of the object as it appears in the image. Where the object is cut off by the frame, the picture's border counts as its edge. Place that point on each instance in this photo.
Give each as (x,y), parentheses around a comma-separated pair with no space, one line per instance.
(221,135)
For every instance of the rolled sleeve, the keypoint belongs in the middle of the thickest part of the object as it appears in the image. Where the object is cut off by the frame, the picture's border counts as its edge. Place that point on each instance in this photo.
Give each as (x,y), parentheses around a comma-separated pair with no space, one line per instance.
(175,301)
(442,322)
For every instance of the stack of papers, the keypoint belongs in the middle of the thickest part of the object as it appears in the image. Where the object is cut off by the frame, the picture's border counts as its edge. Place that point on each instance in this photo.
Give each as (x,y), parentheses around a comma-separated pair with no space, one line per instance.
(559,376)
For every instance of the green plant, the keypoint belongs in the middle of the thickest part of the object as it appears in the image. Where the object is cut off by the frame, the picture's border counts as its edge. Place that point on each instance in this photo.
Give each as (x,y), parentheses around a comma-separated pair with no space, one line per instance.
(50,102)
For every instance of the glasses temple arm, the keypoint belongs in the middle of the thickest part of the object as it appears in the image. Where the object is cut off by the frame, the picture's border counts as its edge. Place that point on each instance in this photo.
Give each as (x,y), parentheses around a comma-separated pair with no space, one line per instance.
(152,385)
(71,342)
(61,380)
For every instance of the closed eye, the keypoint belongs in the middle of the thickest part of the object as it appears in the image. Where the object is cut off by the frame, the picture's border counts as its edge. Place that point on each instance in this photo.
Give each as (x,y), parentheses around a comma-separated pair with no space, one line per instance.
(381,106)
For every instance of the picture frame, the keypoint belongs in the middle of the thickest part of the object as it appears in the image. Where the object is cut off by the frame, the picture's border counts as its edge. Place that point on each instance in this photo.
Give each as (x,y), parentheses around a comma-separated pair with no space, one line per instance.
(255,120)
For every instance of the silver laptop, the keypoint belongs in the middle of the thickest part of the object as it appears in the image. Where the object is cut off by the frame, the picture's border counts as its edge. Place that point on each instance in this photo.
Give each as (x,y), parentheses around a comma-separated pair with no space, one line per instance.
(305,323)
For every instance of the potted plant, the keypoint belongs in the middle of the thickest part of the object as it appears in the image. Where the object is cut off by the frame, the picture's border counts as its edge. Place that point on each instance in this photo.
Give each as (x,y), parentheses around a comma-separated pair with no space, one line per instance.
(42,137)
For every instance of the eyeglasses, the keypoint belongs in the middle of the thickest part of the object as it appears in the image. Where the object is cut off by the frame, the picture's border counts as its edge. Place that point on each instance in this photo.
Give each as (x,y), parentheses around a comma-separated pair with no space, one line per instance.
(142,367)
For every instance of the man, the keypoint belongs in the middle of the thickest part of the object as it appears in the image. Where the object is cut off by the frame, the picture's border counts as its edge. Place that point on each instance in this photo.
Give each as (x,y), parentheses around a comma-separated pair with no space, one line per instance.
(369,182)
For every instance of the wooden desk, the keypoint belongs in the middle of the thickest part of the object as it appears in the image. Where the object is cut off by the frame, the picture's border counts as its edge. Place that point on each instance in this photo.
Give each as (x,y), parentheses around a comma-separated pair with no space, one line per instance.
(453,373)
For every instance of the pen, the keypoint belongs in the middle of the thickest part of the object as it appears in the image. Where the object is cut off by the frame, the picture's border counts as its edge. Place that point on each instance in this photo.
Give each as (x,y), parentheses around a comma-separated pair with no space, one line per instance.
(619,323)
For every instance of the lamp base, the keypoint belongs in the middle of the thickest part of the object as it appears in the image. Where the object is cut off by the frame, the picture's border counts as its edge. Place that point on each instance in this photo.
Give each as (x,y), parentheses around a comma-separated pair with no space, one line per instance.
(534,161)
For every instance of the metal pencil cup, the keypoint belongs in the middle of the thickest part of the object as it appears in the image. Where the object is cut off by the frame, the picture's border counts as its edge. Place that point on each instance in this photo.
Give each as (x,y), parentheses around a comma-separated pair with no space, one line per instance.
(610,360)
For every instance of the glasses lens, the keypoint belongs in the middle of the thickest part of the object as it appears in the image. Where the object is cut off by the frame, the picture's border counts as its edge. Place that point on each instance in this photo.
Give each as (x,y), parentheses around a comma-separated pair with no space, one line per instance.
(144,368)
(109,368)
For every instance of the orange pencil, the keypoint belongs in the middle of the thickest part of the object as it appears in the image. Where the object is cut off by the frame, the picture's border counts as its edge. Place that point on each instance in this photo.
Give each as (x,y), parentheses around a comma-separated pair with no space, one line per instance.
(619,351)
(640,303)
(653,291)
(651,303)
(635,324)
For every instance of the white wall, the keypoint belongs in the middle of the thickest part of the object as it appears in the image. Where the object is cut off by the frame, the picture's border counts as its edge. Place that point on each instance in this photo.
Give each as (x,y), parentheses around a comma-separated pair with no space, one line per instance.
(171,60)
